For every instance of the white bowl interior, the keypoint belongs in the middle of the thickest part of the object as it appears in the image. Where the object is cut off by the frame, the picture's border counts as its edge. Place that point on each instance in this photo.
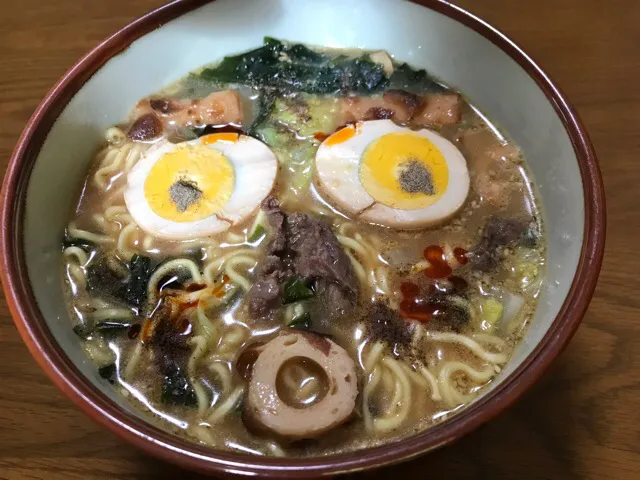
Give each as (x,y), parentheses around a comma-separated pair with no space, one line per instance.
(461,57)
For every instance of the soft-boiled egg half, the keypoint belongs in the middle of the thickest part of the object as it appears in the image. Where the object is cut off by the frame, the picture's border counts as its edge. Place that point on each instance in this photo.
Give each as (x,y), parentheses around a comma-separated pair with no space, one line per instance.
(389,175)
(199,187)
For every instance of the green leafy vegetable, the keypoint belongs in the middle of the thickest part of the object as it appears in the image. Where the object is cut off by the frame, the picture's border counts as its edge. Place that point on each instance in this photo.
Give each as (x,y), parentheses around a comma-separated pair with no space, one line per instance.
(82,330)
(418,81)
(257,234)
(295,290)
(108,372)
(302,321)
(266,102)
(176,389)
(101,280)
(140,271)
(112,327)
(85,245)
(106,328)
(296,68)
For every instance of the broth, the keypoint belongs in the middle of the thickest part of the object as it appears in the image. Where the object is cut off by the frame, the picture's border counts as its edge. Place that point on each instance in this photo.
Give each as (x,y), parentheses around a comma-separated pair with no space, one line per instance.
(426,317)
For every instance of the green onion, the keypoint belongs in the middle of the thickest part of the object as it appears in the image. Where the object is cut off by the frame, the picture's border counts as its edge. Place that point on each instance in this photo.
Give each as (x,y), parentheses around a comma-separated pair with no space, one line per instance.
(302,321)
(257,234)
(295,290)
(491,313)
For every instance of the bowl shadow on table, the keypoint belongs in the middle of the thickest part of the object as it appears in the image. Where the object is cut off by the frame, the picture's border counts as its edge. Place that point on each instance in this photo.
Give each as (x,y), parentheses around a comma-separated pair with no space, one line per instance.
(532,440)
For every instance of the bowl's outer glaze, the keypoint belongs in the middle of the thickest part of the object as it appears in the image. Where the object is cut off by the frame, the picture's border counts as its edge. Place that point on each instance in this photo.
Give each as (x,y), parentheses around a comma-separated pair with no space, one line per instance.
(55,148)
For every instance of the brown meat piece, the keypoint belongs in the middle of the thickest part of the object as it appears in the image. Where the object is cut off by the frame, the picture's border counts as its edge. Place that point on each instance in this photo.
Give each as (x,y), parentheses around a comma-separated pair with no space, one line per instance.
(404,108)
(218,108)
(319,256)
(438,110)
(303,247)
(370,108)
(497,233)
(265,295)
(407,103)
(146,127)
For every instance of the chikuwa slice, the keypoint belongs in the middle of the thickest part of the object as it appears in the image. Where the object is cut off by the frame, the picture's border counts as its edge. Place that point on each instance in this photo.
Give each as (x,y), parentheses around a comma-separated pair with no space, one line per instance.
(267,408)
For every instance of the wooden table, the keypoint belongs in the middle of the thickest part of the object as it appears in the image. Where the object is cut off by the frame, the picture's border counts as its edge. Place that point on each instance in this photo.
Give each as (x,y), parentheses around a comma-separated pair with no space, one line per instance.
(581,421)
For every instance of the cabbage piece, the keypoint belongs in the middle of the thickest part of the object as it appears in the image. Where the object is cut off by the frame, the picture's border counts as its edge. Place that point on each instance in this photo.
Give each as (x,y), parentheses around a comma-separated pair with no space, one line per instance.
(492,311)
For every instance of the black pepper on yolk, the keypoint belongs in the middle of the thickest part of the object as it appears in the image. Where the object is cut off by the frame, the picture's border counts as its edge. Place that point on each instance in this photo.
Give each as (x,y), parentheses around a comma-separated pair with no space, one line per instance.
(385,160)
(195,171)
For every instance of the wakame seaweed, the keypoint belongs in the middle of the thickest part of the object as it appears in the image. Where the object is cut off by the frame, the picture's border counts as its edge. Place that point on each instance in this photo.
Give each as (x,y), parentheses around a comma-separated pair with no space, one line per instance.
(101,280)
(407,78)
(266,102)
(296,68)
(85,245)
(140,271)
(107,328)
(132,289)
(177,390)
(108,372)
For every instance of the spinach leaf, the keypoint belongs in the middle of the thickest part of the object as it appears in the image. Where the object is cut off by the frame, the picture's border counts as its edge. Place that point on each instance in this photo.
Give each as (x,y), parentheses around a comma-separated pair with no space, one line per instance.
(140,271)
(295,290)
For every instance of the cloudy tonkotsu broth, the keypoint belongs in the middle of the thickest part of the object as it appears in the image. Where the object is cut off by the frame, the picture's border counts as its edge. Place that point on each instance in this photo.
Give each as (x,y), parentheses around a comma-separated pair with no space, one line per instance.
(298,251)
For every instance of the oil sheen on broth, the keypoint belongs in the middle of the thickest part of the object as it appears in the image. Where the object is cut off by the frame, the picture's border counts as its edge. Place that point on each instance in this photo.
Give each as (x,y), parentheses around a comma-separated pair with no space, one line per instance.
(303,251)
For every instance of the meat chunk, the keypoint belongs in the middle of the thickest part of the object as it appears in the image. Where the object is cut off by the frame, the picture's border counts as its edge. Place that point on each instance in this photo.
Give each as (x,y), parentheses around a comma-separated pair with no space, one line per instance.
(497,233)
(373,108)
(303,247)
(265,295)
(438,110)
(218,108)
(405,108)
(494,167)
(317,252)
(146,127)
(402,101)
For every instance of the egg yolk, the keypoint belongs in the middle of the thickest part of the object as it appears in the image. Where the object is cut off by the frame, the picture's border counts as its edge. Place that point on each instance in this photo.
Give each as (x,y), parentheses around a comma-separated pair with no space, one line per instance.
(190,183)
(404,170)
(229,137)
(343,135)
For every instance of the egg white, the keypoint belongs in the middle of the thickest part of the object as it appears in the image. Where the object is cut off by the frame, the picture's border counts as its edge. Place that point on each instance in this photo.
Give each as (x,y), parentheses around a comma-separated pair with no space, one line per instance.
(338,178)
(255,167)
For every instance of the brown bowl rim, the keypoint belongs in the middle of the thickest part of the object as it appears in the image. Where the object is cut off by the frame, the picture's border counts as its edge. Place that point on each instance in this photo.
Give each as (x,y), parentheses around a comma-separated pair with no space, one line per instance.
(65,375)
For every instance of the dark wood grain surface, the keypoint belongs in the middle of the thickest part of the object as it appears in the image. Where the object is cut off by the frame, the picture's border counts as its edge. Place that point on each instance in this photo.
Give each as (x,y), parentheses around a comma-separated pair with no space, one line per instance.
(583,418)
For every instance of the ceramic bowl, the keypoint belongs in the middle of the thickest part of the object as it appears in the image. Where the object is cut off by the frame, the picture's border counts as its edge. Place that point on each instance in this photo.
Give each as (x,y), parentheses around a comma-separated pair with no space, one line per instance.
(59,141)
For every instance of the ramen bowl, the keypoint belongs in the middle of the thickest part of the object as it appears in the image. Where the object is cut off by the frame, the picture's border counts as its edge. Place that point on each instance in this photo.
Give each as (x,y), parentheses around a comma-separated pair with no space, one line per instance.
(52,156)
